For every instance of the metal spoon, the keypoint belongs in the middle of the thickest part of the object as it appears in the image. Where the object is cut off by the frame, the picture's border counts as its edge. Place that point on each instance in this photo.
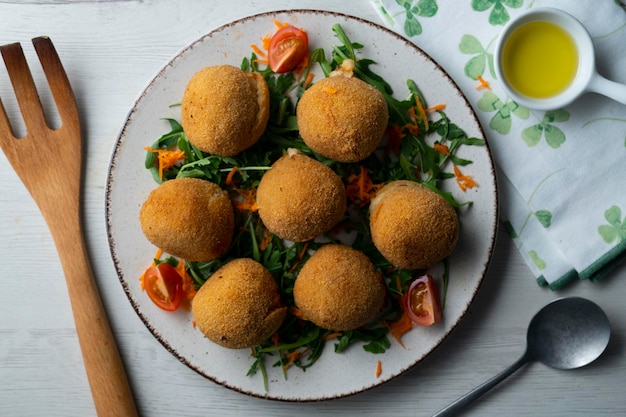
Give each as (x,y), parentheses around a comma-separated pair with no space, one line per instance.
(567,333)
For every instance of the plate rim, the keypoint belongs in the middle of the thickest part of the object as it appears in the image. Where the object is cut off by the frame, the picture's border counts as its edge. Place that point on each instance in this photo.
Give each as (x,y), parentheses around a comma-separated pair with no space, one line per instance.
(151,84)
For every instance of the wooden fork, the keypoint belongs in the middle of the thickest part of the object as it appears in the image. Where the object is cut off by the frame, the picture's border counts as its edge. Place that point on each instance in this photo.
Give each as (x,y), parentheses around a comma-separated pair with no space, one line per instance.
(49,163)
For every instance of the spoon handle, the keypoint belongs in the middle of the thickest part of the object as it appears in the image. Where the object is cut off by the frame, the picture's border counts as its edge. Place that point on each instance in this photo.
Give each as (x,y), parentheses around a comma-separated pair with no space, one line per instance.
(474,394)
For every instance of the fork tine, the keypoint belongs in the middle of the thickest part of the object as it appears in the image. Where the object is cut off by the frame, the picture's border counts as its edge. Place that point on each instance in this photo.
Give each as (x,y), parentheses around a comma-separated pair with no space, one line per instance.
(57,78)
(5,126)
(24,86)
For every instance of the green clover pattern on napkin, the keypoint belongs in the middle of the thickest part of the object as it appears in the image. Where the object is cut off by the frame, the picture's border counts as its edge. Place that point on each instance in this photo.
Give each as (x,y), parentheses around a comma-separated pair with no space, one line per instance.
(561,173)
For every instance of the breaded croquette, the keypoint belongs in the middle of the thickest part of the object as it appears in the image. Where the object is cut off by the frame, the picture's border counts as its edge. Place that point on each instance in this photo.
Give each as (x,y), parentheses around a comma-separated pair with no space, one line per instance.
(300,198)
(239,306)
(189,218)
(412,226)
(342,118)
(225,110)
(339,288)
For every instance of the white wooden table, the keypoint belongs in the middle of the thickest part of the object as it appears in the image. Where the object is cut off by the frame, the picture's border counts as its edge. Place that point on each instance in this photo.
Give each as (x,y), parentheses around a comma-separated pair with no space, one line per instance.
(111,49)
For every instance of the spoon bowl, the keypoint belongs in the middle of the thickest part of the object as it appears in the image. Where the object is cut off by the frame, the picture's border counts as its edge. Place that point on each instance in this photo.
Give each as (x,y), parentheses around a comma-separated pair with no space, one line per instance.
(585,79)
(568,333)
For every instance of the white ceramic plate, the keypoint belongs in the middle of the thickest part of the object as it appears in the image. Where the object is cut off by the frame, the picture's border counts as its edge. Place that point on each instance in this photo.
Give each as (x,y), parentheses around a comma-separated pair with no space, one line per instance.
(334,375)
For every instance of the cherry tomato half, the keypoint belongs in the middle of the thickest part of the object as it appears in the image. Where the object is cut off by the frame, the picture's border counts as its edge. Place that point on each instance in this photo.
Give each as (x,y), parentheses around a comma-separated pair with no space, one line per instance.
(164,286)
(422,301)
(288,47)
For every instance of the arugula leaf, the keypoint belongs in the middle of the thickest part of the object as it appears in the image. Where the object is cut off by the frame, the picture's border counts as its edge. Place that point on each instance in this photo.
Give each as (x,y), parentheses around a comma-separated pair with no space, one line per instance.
(376,338)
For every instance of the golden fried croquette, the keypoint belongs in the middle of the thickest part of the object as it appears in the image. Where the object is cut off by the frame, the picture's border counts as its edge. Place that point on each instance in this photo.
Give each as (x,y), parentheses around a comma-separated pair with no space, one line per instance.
(239,305)
(339,288)
(189,218)
(224,109)
(300,198)
(412,226)
(342,118)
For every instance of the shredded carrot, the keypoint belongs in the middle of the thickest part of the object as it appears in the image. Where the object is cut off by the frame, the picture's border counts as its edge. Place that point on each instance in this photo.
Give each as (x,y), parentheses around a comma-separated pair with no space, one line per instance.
(413,128)
(276,339)
(422,112)
(189,289)
(229,177)
(166,158)
(483,84)
(442,149)
(294,266)
(295,311)
(438,107)
(266,42)
(258,50)
(379,368)
(249,200)
(248,196)
(279,24)
(398,328)
(464,182)
(332,335)
(303,251)
(267,238)
(360,188)
(292,357)
(261,61)
(309,79)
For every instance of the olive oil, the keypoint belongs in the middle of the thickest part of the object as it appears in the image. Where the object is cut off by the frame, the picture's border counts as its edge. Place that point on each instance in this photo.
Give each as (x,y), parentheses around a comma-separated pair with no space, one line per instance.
(539,59)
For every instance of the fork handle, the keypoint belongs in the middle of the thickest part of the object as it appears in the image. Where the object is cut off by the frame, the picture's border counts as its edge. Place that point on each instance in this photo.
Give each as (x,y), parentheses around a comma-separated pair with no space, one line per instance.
(105,371)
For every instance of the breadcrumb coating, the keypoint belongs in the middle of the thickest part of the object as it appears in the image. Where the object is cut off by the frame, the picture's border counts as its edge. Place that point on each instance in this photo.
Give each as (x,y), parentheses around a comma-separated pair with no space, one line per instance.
(224,109)
(342,118)
(412,226)
(339,288)
(189,218)
(239,306)
(300,198)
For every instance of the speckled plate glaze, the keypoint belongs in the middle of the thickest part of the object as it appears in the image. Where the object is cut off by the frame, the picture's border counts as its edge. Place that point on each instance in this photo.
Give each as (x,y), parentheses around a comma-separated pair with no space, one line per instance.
(335,375)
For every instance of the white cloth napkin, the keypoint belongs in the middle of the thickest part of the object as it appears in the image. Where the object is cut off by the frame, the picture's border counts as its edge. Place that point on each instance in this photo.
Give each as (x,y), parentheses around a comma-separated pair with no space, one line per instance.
(562,174)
